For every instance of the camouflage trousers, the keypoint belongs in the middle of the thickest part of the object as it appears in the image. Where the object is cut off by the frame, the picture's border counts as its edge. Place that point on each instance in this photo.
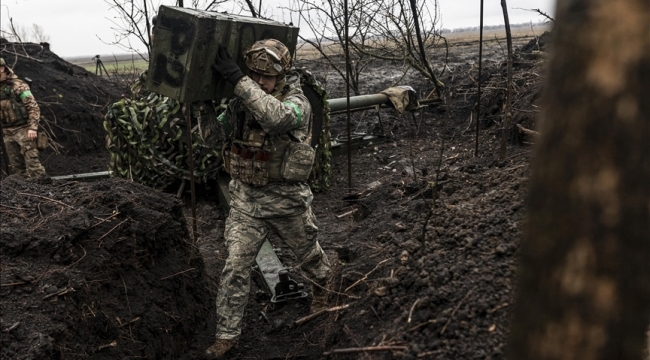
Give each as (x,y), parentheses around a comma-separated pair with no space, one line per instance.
(244,238)
(22,153)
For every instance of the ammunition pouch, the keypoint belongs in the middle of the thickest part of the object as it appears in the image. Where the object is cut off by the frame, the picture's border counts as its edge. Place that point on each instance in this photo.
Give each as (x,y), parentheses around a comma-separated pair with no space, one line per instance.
(41,141)
(14,113)
(249,165)
(254,166)
(297,162)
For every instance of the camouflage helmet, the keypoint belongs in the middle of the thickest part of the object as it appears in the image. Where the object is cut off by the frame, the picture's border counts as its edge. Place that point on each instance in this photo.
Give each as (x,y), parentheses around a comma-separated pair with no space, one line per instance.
(268,57)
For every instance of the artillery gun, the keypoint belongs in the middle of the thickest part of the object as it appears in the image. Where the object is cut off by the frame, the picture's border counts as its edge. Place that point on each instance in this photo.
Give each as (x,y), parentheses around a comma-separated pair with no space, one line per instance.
(148,142)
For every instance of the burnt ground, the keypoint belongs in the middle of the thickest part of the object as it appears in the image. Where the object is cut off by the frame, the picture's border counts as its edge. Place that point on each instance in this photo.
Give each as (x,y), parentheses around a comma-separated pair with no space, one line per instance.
(425,261)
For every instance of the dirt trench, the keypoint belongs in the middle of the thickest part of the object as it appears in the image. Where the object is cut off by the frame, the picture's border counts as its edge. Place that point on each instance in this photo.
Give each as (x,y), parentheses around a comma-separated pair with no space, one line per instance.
(424,262)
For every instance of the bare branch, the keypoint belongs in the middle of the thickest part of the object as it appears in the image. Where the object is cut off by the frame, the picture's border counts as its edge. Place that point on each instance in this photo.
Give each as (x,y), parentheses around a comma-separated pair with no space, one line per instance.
(540,12)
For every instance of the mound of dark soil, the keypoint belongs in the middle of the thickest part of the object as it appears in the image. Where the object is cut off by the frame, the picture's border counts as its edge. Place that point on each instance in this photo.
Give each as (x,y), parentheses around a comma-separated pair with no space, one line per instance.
(428,264)
(426,252)
(73,103)
(103,270)
(539,43)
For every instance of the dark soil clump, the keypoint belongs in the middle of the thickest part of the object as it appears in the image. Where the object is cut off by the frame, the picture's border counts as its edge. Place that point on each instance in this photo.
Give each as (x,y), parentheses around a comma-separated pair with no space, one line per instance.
(103,270)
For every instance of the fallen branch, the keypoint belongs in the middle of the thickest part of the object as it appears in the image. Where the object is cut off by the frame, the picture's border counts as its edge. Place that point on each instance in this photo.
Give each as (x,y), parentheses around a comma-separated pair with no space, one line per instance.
(365,276)
(527,131)
(11,327)
(455,309)
(62,292)
(364,349)
(103,220)
(347,213)
(136,319)
(178,273)
(109,231)
(429,353)
(319,313)
(13,284)
(113,344)
(21,55)
(76,262)
(411,312)
(15,208)
(432,321)
(46,198)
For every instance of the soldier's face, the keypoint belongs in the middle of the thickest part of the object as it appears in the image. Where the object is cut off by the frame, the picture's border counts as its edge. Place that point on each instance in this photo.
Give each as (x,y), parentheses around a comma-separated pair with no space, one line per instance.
(266,82)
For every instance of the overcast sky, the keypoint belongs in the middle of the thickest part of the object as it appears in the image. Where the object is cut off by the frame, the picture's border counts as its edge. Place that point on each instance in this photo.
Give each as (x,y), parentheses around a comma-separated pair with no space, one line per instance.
(84,27)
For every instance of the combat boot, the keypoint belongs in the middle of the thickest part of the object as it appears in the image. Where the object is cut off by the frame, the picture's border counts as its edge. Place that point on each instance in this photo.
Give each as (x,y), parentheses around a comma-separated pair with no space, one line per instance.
(220,348)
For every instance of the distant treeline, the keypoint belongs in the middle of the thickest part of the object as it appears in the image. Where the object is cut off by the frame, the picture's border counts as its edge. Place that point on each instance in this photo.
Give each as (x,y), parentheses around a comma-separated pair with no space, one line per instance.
(491,27)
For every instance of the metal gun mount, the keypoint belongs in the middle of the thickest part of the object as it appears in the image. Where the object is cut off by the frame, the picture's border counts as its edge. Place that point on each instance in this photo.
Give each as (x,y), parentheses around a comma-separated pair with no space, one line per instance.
(276,276)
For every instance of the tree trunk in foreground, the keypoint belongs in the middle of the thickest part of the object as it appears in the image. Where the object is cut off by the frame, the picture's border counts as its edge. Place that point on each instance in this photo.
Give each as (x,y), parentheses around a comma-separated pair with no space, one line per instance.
(584,280)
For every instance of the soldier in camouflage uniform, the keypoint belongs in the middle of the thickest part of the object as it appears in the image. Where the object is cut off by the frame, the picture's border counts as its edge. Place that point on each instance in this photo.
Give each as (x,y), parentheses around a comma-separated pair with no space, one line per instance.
(269,160)
(19,114)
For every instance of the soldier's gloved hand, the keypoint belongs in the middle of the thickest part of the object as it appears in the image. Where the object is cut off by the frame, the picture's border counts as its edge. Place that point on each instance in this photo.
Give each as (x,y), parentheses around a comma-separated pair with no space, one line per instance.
(226,66)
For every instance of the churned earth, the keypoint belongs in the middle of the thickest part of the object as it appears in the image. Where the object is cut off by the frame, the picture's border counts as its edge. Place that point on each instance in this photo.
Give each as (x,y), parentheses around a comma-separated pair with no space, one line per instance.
(424,242)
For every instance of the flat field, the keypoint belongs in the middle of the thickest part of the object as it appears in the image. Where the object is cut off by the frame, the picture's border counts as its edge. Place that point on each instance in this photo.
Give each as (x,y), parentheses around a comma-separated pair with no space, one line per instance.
(133,63)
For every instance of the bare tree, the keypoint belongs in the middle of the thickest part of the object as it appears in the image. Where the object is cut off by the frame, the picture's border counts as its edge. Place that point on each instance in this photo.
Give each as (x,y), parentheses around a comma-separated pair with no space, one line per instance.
(584,279)
(540,13)
(326,21)
(382,29)
(38,34)
(406,32)
(133,21)
(15,32)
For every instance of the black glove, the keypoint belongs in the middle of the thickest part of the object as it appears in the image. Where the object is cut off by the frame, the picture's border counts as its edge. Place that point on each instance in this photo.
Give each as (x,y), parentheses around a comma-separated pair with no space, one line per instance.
(226,66)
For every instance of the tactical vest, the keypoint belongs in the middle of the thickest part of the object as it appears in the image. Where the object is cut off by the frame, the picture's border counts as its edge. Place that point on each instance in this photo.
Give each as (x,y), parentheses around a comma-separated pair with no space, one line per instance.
(256,158)
(12,111)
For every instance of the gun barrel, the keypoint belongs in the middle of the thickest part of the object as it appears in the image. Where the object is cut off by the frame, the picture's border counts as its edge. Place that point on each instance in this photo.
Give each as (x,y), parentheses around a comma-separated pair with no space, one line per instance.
(360,101)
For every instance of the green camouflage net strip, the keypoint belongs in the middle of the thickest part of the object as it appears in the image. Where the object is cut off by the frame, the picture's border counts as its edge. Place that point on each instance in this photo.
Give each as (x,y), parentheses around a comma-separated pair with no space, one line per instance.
(322,170)
(147,141)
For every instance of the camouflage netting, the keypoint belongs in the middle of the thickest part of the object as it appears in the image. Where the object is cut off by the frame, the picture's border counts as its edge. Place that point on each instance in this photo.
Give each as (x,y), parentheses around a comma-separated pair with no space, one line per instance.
(148,142)
(322,170)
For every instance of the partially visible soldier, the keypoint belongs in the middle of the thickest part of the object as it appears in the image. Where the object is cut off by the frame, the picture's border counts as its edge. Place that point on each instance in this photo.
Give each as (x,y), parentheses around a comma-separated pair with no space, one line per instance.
(269,159)
(19,114)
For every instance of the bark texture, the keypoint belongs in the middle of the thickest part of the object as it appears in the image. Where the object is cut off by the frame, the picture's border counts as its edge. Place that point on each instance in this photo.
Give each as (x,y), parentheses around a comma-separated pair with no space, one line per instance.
(584,280)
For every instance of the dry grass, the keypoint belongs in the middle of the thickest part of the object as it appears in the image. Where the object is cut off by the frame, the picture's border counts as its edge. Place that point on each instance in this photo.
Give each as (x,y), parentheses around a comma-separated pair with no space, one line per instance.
(127,63)
(308,52)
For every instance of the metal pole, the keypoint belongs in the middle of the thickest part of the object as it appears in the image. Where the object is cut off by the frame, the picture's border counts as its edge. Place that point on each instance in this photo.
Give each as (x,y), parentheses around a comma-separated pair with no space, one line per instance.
(188,120)
(480,61)
(347,93)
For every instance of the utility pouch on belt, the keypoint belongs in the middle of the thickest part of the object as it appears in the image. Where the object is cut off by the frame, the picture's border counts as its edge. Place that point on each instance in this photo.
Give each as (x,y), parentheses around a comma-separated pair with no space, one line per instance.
(251,166)
(297,162)
(41,141)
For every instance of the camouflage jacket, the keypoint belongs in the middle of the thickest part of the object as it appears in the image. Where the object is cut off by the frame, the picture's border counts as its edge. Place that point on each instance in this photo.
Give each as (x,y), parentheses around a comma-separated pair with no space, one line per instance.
(283,113)
(22,95)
